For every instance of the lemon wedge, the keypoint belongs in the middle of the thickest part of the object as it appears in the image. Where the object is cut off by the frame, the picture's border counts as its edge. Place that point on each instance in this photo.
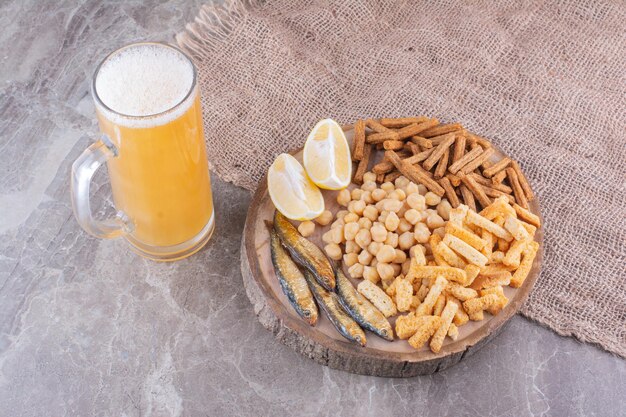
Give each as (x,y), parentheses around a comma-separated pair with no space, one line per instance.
(291,190)
(327,156)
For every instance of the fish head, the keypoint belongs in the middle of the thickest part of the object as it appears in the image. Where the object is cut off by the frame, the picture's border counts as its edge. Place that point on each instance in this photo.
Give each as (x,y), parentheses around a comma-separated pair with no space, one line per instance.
(310,316)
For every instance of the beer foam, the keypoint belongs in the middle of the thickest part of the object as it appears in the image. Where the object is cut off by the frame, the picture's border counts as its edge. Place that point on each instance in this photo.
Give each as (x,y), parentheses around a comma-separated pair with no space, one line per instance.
(145,80)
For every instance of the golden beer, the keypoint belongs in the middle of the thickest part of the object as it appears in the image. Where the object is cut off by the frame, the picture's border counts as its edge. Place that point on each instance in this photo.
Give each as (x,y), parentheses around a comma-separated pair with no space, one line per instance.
(148,108)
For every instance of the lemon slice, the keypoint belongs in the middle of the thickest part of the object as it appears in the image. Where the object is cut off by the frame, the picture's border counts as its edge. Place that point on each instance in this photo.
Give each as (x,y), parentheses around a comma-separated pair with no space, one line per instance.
(327,156)
(291,190)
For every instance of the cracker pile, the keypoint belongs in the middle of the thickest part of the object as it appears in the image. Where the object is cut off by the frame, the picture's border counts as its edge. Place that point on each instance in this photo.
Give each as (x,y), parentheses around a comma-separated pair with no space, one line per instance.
(479,254)
(446,158)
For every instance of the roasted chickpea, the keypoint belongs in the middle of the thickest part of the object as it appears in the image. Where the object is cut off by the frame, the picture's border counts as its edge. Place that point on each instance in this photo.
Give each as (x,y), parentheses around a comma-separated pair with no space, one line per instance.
(413,216)
(325,218)
(421,233)
(365,258)
(406,240)
(417,248)
(356,194)
(422,189)
(386,254)
(443,209)
(434,221)
(366,197)
(387,186)
(441,231)
(392,222)
(371,274)
(392,205)
(306,228)
(363,238)
(327,237)
(333,251)
(401,181)
(404,226)
(385,271)
(352,247)
(369,177)
(406,266)
(399,257)
(416,201)
(343,197)
(432,199)
(365,223)
(378,194)
(356,207)
(350,218)
(374,247)
(403,209)
(392,239)
(383,216)
(337,234)
(370,212)
(411,188)
(337,223)
(356,270)
(379,232)
(350,259)
(369,185)
(397,194)
(350,230)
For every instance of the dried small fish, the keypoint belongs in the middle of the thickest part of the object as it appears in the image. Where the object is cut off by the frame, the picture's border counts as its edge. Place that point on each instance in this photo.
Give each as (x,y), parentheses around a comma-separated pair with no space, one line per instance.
(330,303)
(305,252)
(361,309)
(292,281)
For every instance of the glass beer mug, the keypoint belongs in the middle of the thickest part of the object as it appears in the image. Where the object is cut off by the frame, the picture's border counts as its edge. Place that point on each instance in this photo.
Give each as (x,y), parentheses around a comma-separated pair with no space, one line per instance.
(148,108)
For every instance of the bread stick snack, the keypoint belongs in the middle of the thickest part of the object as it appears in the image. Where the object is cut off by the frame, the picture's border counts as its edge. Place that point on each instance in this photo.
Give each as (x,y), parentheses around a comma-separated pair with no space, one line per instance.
(497,167)
(446,319)
(426,328)
(528,256)
(401,121)
(465,159)
(520,197)
(442,165)
(476,189)
(359,140)
(441,130)
(439,151)
(428,304)
(528,192)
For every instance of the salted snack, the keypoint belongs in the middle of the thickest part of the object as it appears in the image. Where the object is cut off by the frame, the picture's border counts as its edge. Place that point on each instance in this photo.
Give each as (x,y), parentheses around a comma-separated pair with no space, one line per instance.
(292,281)
(446,158)
(330,303)
(417,254)
(378,297)
(361,310)
(305,252)
(432,232)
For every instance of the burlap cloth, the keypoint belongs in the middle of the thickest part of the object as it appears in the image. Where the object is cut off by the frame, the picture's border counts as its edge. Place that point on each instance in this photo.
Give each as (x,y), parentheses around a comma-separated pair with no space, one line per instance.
(545,81)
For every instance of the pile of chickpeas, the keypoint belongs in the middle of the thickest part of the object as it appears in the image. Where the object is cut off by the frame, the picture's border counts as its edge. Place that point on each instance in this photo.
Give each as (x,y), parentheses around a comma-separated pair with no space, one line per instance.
(381,227)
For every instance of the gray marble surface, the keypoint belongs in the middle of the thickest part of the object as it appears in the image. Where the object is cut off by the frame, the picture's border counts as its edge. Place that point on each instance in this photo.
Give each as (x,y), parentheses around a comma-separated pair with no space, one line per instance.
(89,329)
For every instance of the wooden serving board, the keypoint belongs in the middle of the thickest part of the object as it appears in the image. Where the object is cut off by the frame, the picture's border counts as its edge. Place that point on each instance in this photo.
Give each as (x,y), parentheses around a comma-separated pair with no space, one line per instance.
(323,343)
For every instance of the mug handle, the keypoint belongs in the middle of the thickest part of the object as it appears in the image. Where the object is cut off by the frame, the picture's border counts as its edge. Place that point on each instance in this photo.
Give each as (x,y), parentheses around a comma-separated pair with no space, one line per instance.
(83,169)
